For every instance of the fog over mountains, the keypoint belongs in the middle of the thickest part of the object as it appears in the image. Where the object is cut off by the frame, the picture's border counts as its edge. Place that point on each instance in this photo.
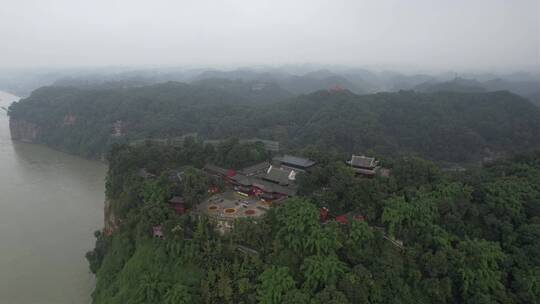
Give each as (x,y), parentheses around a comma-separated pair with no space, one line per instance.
(284,81)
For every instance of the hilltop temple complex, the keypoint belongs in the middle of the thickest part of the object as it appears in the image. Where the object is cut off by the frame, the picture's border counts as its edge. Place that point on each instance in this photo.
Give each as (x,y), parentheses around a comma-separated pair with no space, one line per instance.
(250,192)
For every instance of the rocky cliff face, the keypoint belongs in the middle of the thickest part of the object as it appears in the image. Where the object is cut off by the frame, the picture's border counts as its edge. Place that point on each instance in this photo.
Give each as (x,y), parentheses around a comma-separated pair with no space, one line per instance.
(23,131)
(110,221)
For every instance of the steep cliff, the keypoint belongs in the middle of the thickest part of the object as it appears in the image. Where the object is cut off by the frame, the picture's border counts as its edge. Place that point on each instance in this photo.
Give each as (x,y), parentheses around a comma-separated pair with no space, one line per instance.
(110,223)
(23,130)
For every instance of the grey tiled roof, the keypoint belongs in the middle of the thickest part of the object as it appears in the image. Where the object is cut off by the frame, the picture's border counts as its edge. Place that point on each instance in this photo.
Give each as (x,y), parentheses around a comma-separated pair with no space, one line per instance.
(215,169)
(296,161)
(264,184)
(176,200)
(258,168)
(362,161)
(242,179)
(278,175)
(274,188)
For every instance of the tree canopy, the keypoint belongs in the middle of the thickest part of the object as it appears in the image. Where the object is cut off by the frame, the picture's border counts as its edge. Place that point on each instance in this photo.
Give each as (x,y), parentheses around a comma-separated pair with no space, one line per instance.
(458,237)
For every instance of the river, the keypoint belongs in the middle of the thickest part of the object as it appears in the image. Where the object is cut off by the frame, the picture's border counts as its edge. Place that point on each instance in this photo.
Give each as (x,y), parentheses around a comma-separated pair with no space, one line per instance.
(50,205)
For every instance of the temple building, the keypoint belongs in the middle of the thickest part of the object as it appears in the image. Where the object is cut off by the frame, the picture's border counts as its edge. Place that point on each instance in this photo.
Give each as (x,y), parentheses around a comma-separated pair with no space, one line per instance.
(215,170)
(157,231)
(269,181)
(178,205)
(294,162)
(364,165)
(280,176)
(257,169)
(251,191)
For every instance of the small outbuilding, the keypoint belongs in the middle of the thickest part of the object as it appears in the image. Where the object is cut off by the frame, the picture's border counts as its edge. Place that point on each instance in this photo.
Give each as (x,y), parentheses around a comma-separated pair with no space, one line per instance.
(363,165)
(178,204)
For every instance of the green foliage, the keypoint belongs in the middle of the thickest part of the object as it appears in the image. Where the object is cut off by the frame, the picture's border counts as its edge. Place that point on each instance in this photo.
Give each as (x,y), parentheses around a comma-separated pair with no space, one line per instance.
(156,191)
(231,154)
(479,269)
(322,270)
(296,219)
(471,237)
(330,295)
(275,283)
(449,126)
(96,256)
(151,289)
(396,213)
(178,294)
(195,185)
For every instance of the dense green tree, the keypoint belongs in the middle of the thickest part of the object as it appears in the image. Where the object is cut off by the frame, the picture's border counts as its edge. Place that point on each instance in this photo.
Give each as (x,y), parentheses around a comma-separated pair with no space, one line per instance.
(455,128)
(178,294)
(330,295)
(152,288)
(156,191)
(396,212)
(322,270)
(359,241)
(467,237)
(479,270)
(195,185)
(296,220)
(323,240)
(275,283)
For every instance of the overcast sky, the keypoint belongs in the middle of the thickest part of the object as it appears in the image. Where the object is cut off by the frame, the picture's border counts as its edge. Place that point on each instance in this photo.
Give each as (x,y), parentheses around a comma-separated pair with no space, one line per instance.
(447,34)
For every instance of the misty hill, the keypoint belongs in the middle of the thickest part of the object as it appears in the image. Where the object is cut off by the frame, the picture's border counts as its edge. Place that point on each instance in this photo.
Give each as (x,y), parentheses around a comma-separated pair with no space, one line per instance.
(535,98)
(296,79)
(295,84)
(456,85)
(394,81)
(103,83)
(521,88)
(457,127)
(256,91)
(359,81)
(527,88)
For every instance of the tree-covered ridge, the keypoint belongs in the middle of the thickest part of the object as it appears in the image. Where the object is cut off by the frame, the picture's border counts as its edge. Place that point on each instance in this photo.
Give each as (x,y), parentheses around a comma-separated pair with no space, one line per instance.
(427,237)
(446,126)
(161,110)
(441,126)
(455,85)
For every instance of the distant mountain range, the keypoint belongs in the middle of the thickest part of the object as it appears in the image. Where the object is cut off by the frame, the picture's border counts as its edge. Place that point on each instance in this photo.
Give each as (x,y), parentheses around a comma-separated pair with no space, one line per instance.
(290,80)
(456,85)
(527,89)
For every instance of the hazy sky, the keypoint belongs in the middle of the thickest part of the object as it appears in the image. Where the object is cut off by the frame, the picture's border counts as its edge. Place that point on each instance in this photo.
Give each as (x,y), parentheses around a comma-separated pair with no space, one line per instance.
(455,34)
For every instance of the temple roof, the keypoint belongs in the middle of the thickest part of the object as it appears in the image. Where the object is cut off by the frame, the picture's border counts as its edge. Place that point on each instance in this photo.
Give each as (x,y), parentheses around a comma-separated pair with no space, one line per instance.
(255,169)
(215,169)
(295,161)
(264,185)
(274,188)
(278,175)
(242,179)
(362,161)
(176,200)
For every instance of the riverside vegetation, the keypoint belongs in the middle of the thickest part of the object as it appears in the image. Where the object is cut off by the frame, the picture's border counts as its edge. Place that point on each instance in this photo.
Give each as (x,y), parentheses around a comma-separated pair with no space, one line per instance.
(468,237)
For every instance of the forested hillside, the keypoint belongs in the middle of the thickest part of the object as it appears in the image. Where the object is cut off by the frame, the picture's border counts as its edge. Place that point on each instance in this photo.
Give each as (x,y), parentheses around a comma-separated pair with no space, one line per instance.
(425,237)
(443,126)
(295,84)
